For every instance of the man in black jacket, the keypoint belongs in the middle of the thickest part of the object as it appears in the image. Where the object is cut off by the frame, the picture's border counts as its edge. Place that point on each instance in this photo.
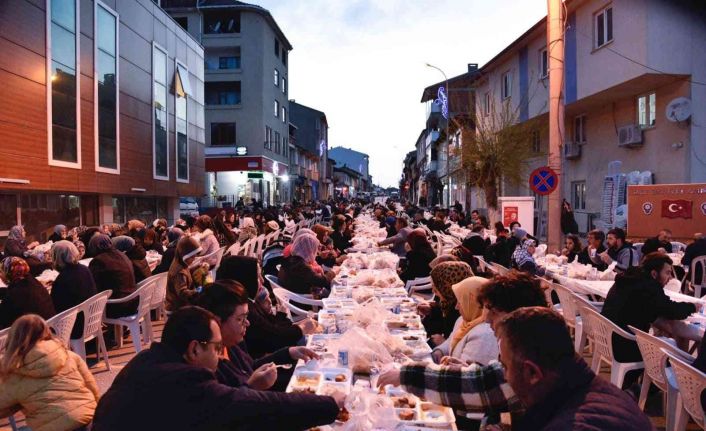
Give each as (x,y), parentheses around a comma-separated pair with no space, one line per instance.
(557,388)
(172,386)
(590,255)
(637,298)
(661,242)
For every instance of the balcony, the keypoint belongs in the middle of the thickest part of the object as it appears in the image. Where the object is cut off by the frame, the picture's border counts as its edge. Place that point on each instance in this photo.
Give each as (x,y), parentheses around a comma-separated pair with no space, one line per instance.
(431,166)
(432,137)
(434,117)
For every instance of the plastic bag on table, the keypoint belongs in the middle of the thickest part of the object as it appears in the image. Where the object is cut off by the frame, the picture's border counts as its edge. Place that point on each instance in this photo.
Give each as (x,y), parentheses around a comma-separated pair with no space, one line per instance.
(609,273)
(364,352)
(369,410)
(362,294)
(372,312)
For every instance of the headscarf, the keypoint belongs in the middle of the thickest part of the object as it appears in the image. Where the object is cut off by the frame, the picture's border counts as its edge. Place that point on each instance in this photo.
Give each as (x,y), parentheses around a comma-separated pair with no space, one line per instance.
(273,225)
(248,222)
(58,228)
(63,253)
(390,220)
(444,276)
(306,247)
(320,231)
(14,268)
(303,231)
(80,245)
(417,240)
(134,225)
(174,234)
(466,292)
(123,243)
(16,233)
(519,233)
(99,243)
(441,259)
(521,255)
(244,270)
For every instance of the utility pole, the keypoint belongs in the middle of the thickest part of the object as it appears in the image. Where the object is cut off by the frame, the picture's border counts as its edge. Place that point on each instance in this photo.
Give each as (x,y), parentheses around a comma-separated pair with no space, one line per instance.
(555,52)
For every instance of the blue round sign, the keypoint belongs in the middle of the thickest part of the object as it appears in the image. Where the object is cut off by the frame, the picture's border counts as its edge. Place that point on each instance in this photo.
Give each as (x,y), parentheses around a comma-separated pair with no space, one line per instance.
(543,180)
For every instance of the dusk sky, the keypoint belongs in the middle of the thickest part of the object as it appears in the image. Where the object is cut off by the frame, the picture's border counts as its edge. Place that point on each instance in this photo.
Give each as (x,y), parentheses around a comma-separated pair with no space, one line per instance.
(362,62)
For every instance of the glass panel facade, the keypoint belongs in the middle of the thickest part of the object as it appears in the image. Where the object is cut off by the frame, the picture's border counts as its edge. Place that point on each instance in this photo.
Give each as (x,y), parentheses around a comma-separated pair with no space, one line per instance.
(41,212)
(160,113)
(63,81)
(145,209)
(222,93)
(106,64)
(182,140)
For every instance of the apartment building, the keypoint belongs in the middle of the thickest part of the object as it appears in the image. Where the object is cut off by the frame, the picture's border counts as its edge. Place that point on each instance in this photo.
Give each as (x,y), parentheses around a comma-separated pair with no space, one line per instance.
(635,93)
(102,115)
(311,131)
(245,90)
(357,161)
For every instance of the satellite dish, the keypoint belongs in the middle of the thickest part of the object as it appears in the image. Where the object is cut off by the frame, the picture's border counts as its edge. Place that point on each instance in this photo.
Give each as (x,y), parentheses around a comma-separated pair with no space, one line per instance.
(679,109)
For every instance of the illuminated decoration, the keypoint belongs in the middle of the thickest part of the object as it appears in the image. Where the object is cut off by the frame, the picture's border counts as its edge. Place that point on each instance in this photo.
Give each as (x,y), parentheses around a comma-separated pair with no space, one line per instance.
(443,101)
(275,168)
(322,148)
(284,178)
(241,151)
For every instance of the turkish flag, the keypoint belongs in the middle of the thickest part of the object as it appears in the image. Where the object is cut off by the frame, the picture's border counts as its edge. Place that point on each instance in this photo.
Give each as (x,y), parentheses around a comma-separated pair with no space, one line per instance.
(678,208)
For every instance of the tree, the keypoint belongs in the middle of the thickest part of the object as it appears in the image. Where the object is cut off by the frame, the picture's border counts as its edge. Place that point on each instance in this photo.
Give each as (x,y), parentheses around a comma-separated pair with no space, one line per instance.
(497,149)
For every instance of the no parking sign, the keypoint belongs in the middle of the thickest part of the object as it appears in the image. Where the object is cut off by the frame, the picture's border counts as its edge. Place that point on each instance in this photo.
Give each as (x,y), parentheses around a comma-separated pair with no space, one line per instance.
(543,181)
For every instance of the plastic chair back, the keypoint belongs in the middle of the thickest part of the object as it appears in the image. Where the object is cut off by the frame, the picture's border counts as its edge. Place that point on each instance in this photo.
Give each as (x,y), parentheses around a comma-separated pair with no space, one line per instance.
(653,354)
(568,304)
(602,330)
(93,309)
(691,383)
(698,285)
(63,324)
(160,289)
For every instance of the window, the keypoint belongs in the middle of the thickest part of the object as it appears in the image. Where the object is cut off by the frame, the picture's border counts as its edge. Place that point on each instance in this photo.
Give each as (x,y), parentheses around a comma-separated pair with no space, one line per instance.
(278,142)
(221,21)
(580,129)
(276,78)
(183,22)
(284,56)
(486,104)
(543,63)
(276,48)
(229,62)
(646,110)
(284,85)
(182,89)
(284,114)
(106,96)
(604,27)
(285,147)
(276,108)
(63,89)
(223,134)
(506,83)
(160,148)
(536,141)
(222,93)
(578,195)
(268,138)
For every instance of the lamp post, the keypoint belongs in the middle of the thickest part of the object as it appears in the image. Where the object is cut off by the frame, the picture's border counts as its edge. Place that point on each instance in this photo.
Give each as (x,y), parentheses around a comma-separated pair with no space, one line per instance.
(448,114)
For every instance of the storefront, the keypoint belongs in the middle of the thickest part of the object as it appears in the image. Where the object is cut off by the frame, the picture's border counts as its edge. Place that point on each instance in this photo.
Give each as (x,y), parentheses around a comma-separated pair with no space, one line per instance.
(249,178)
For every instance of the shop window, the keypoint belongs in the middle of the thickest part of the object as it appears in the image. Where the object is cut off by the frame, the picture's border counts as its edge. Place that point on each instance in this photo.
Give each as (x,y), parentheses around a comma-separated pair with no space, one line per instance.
(41,212)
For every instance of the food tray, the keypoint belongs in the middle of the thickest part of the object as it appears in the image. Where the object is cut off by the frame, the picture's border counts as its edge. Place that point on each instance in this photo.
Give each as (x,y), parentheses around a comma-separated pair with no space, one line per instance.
(418,342)
(323,381)
(417,412)
(339,303)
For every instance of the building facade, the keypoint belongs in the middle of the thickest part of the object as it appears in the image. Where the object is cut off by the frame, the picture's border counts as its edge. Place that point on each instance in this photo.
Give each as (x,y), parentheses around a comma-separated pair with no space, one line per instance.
(245,90)
(311,134)
(628,65)
(103,114)
(357,161)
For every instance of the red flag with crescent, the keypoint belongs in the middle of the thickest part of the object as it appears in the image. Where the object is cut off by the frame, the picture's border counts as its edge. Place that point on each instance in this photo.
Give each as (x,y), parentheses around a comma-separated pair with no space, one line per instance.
(678,208)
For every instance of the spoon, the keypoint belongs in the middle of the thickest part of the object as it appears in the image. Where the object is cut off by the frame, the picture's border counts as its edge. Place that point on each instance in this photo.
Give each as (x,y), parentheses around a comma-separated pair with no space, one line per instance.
(284,366)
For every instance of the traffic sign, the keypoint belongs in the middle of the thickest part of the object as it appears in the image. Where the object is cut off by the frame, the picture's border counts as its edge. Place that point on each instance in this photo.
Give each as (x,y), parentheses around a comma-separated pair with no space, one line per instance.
(543,180)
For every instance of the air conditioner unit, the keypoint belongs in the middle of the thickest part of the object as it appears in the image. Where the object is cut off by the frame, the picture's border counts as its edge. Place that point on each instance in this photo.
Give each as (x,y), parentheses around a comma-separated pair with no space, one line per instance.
(630,136)
(572,150)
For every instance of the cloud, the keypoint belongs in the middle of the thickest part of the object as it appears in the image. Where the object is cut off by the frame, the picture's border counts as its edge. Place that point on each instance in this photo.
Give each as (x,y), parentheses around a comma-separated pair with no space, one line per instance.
(362,62)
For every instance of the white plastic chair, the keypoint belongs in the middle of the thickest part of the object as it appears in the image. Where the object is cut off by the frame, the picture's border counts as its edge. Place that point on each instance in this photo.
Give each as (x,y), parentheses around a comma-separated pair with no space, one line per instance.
(158,295)
(246,247)
(93,309)
(234,249)
(421,287)
(656,372)
(570,312)
(602,330)
(699,262)
(289,299)
(136,321)
(690,382)
(499,269)
(678,246)
(63,324)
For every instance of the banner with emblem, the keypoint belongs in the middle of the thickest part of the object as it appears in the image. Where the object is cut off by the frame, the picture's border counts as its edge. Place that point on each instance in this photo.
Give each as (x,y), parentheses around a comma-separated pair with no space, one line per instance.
(680,208)
(676,208)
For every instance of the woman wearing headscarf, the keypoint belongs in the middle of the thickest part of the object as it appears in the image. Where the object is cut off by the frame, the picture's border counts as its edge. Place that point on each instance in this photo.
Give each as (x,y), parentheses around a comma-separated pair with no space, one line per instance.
(136,254)
(85,234)
(327,254)
(60,233)
(180,285)
(271,226)
(112,270)
(522,258)
(225,236)
(340,241)
(25,295)
(149,239)
(247,230)
(472,245)
(441,314)
(268,331)
(173,236)
(300,273)
(472,340)
(73,285)
(16,245)
(418,257)
(303,231)
(209,242)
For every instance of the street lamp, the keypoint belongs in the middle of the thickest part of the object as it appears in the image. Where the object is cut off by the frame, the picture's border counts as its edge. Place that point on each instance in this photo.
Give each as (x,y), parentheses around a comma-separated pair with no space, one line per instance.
(448,114)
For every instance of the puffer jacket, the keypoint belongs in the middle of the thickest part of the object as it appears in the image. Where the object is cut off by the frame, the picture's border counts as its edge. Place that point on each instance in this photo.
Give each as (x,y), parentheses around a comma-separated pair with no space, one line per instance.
(209,244)
(53,388)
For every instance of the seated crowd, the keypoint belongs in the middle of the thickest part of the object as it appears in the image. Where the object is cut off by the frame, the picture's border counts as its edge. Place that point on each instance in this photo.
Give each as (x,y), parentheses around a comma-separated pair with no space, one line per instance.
(227,348)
